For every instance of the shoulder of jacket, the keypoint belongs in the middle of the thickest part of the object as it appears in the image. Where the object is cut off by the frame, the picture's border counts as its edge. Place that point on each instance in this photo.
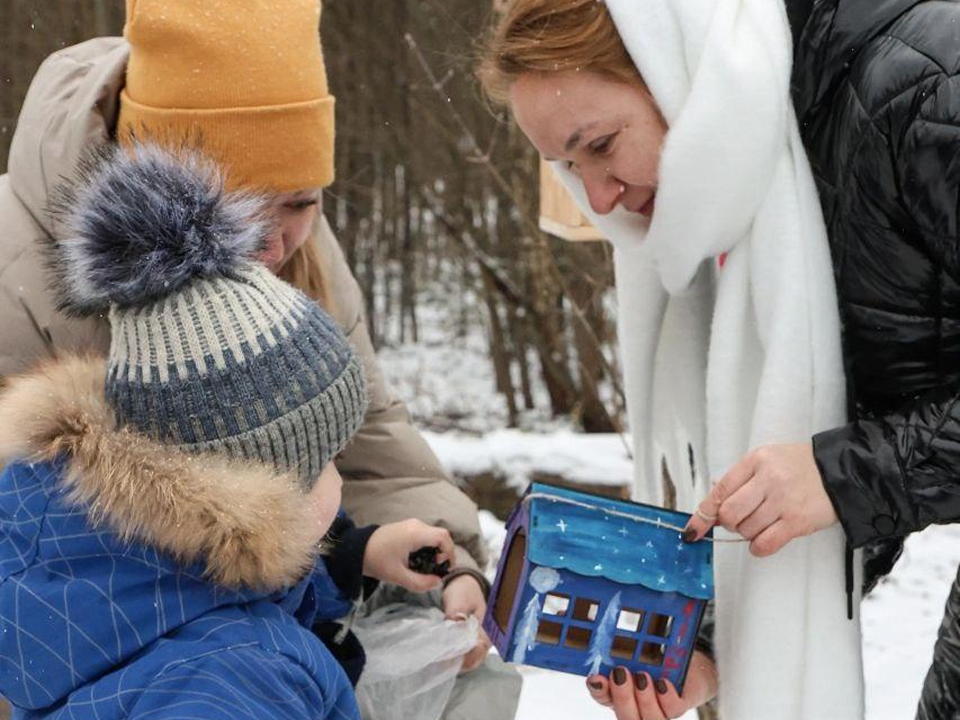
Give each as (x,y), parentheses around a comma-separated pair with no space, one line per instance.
(916,54)
(88,52)
(20,228)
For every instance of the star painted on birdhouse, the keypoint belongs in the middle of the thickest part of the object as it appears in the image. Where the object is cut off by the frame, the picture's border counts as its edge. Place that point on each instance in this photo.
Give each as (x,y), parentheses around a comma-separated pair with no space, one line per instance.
(598,567)
(562,525)
(623,531)
(649,543)
(662,580)
(680,546)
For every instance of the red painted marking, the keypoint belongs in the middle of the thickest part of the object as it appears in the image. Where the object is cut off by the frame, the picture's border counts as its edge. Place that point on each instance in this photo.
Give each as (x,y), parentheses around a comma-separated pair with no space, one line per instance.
(721,260)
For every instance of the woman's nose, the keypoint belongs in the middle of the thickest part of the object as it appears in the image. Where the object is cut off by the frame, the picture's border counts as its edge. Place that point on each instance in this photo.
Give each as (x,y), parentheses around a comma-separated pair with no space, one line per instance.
(602,192)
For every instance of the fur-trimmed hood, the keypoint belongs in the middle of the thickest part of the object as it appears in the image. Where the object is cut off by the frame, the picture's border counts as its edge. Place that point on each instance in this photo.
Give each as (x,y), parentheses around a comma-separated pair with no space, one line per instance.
(242,522)
(120,557)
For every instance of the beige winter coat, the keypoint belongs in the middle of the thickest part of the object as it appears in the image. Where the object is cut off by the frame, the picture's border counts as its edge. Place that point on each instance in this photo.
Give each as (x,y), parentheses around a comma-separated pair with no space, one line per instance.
(390,472)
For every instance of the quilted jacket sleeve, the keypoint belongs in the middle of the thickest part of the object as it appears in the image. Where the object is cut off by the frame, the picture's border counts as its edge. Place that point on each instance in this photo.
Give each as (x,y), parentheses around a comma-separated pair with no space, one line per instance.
(895,475)
(245,683)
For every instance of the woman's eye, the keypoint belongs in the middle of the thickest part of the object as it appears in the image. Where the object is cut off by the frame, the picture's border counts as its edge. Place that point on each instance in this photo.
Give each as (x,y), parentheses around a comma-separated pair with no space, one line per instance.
(603,144)
(300,205)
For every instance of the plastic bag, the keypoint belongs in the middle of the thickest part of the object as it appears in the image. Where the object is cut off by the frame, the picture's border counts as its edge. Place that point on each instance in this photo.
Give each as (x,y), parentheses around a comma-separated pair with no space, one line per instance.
(413,657)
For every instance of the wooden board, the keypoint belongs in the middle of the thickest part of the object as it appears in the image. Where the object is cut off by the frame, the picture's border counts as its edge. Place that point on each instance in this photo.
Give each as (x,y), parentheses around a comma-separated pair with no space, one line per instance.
(559,214)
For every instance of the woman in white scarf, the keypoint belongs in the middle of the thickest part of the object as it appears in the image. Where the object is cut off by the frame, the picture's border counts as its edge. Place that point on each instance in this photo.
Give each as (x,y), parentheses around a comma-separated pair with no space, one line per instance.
(671,122)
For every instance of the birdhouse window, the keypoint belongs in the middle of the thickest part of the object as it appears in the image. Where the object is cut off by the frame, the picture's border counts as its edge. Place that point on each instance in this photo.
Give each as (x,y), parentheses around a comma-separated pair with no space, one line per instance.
(549,632)
(660,625)
(630,620)
(652,654)
(623,647)
(578,638)
(585,610)
(556,604)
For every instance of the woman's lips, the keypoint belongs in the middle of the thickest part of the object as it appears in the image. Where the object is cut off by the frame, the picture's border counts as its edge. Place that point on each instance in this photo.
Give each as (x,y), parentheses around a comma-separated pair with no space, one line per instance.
(647,208)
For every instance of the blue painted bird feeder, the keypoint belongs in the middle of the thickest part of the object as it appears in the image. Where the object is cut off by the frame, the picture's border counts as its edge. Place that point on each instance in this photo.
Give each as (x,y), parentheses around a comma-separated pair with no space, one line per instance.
(586,583)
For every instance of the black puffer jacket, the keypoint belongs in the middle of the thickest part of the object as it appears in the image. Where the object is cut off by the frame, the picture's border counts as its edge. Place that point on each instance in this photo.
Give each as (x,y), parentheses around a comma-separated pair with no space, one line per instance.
(877,92)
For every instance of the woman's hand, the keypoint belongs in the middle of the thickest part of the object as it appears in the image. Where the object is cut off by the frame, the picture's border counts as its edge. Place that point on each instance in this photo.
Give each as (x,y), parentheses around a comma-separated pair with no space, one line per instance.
(463,597)
(388,553)
(639,697)
(773,495)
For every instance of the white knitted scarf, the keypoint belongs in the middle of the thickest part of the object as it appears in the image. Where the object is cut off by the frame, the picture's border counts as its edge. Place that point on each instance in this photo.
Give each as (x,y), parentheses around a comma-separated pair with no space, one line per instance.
(727,359)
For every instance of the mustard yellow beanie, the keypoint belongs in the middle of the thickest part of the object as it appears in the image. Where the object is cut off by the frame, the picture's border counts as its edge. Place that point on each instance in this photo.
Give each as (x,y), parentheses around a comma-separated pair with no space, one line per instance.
(244,78)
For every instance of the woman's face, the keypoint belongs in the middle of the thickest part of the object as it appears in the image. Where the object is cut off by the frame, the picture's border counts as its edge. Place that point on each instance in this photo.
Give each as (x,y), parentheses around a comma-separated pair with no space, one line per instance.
(607,131)
(324,496)
(295,213)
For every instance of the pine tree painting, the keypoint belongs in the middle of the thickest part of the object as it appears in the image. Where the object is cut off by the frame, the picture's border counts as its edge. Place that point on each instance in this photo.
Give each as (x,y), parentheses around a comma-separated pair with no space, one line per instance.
(543,580)
(603,636)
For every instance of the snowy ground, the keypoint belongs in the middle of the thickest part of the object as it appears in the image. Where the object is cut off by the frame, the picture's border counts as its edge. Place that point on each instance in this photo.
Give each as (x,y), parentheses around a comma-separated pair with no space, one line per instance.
(448,385)
(900,621)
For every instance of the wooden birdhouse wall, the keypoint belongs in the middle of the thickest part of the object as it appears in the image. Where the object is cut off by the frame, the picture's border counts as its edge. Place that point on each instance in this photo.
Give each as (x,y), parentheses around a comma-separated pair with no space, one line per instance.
(559,213)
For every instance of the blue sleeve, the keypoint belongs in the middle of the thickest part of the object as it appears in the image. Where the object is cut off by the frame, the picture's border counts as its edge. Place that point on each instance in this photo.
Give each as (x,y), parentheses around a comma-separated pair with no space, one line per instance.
(246,684)
(331,602)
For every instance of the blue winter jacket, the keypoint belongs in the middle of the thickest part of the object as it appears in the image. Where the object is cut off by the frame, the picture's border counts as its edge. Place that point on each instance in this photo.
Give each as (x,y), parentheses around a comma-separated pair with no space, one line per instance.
(139,582)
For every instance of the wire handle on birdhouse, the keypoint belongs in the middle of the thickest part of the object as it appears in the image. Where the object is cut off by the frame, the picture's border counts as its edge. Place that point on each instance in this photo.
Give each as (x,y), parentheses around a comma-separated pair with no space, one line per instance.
(617,513)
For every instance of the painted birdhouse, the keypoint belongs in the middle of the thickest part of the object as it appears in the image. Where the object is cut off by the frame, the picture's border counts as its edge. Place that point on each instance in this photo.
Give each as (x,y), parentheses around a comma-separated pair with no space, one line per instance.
(586,583)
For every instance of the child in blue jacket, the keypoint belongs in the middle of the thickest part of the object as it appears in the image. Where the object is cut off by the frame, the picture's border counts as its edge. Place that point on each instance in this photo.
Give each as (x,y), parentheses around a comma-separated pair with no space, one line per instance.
(165,513)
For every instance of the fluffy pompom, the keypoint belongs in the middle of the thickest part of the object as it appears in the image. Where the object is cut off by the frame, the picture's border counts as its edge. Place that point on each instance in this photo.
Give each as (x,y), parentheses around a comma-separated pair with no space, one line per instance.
(140,223)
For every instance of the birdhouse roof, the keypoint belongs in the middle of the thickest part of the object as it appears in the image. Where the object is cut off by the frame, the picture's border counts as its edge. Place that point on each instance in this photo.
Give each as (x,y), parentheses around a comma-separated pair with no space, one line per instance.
(622,541)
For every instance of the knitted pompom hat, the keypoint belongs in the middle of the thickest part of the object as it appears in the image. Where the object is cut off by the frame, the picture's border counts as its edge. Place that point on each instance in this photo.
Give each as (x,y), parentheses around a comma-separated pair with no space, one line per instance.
(209,350)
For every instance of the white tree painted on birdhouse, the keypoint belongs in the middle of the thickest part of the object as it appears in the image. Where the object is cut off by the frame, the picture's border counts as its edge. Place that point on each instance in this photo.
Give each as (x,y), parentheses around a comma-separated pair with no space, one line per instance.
(603,636)
(542,580)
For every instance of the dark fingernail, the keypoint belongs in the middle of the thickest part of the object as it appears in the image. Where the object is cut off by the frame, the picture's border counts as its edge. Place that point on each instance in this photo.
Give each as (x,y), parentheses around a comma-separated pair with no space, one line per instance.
(619,675)
(641,680)
(661,687)
(595,684)
(689,535)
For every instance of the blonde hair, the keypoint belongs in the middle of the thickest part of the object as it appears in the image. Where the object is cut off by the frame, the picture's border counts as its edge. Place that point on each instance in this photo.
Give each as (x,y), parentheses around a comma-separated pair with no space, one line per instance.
(551,36)
(304,270)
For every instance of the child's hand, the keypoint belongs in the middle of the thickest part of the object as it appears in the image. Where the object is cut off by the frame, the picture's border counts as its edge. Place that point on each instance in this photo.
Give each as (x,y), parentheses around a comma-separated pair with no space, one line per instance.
(389,548)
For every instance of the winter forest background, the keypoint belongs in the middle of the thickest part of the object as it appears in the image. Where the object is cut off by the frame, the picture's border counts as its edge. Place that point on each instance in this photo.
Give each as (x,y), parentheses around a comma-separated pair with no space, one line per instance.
(435,200)
(499,337)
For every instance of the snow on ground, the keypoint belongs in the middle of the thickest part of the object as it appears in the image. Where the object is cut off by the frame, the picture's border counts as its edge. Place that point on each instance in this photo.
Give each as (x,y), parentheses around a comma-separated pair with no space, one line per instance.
(516,456)
(447,378)
(900,620)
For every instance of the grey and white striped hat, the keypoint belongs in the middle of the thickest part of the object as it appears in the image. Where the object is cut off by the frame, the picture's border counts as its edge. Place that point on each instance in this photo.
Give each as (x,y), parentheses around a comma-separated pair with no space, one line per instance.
(209,350)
